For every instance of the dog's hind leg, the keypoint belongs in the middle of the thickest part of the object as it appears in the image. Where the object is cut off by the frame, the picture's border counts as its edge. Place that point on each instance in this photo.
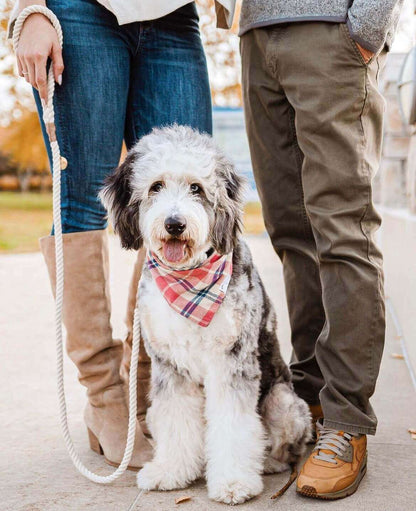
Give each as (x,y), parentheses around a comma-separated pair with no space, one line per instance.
(235,436)
(176,421)
(287,421)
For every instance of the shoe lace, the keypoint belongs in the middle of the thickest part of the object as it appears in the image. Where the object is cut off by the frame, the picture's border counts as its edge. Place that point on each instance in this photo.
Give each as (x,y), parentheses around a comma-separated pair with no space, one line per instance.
(331,443)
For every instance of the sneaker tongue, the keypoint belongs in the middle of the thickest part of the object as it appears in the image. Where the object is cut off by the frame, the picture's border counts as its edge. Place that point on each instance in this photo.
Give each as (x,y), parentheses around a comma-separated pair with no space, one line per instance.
(174,250)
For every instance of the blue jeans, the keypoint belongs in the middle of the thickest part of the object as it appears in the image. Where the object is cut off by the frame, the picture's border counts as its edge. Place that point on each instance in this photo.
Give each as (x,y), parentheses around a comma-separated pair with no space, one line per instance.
(119,82)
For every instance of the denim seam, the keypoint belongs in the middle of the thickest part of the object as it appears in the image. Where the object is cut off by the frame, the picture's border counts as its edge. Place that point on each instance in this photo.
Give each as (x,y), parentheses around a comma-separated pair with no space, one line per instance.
(139,40)
(66,213)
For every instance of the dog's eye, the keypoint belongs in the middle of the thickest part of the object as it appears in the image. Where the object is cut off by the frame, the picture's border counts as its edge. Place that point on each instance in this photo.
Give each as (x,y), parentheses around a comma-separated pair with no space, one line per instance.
(195,188)
(156,187)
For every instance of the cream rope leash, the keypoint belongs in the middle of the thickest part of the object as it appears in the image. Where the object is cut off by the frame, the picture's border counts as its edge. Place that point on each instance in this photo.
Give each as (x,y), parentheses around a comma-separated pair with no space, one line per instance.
(58,164)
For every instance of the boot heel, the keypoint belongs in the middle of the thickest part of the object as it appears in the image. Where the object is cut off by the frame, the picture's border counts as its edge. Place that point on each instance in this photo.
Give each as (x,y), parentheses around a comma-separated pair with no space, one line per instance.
(94,443)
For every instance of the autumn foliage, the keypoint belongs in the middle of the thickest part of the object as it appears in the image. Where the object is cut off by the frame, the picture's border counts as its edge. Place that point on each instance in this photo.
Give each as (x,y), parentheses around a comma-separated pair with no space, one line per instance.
(222,51)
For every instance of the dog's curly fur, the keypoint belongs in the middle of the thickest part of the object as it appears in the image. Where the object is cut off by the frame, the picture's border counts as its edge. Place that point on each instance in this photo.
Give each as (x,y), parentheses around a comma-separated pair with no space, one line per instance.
(222,399)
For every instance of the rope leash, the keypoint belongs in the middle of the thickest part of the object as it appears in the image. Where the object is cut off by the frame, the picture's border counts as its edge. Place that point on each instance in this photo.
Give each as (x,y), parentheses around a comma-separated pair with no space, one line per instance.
(58,165)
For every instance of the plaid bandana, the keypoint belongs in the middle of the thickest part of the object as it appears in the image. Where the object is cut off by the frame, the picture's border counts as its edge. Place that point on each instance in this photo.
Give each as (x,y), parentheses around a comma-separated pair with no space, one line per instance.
(198,292)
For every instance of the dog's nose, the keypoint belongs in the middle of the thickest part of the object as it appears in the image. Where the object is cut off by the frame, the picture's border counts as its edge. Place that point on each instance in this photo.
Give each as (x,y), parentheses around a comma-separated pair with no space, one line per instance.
(175,225)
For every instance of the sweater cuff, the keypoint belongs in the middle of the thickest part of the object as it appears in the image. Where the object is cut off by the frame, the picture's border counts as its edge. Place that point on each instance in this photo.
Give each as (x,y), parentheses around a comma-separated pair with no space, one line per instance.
(375,43)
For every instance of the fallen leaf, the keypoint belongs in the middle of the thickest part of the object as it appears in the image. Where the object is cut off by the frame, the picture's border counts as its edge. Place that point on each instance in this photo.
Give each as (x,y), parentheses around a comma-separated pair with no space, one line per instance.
(182,499)
(397,355)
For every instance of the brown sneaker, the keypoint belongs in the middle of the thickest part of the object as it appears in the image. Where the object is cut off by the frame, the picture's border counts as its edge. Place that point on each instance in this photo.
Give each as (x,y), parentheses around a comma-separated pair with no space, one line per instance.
(335,467)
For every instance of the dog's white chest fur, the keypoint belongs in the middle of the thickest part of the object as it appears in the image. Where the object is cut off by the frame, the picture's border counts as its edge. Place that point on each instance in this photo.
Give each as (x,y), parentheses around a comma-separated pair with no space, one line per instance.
(183,342)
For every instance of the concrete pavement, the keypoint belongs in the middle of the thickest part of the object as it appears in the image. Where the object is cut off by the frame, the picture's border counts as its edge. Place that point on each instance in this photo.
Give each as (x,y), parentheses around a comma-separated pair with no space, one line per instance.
(35,471)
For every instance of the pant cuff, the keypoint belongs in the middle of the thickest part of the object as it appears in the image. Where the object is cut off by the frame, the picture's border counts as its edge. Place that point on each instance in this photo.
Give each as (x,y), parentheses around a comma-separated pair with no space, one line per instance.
(350,428)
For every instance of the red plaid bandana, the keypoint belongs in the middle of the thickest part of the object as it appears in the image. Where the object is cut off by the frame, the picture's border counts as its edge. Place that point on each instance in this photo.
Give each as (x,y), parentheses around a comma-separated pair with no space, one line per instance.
(198,292)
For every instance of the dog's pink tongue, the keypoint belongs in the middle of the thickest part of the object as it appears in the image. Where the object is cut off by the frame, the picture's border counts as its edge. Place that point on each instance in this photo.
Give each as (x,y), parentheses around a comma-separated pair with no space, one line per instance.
(174,250)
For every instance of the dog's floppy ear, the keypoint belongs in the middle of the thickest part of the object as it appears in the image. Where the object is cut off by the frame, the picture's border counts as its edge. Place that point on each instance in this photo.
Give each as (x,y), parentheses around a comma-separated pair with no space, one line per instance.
(116,196)
(228,208)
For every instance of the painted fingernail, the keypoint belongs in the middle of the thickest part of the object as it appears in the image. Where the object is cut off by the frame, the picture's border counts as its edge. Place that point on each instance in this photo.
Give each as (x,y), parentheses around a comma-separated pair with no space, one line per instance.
(60,79)
(43,103)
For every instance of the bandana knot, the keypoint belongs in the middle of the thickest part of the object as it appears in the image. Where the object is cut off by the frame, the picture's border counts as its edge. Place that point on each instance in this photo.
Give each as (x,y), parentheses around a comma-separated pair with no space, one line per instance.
(195,293)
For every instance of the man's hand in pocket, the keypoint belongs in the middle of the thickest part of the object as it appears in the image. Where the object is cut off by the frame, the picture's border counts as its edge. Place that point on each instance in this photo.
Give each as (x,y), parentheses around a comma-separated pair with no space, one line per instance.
(366,54)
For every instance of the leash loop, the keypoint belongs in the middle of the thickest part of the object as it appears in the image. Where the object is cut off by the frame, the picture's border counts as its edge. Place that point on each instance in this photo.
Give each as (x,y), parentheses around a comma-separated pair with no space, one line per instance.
(59,163)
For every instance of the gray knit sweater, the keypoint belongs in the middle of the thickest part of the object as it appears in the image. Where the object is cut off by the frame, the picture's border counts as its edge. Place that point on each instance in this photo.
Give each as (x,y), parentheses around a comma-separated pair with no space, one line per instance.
(371,23)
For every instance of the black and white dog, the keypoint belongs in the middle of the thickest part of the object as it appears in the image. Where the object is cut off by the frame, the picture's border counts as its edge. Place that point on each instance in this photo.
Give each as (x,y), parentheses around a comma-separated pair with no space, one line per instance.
(222,400)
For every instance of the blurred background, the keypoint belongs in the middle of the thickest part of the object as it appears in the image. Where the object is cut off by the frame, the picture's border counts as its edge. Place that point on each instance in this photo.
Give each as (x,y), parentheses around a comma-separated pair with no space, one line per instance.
(36,474)
(25,181)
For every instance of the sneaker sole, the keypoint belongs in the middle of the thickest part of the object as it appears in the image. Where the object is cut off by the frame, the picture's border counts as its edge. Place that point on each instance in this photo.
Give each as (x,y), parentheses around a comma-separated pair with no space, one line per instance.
(309,491)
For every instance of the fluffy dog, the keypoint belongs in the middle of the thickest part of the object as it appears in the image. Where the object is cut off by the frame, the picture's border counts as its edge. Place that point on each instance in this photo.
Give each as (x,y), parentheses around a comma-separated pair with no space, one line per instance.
(222,399)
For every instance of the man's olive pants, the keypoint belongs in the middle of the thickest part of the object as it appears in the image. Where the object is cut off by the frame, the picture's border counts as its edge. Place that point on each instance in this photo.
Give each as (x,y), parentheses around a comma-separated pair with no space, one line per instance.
(314,120)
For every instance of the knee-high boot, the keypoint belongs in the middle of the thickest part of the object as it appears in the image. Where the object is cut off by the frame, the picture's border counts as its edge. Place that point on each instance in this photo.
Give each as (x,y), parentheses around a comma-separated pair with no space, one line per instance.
(90,344)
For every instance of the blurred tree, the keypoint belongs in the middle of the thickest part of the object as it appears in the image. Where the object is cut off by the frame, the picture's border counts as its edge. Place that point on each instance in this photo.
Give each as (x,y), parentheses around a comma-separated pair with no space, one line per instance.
(222,51)
(23,143)
(21,138)
(16,94)
(8,173)
(6,166)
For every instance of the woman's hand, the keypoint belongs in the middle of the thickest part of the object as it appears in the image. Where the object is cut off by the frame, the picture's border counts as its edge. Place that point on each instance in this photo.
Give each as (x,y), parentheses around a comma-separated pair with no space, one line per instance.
(38,41)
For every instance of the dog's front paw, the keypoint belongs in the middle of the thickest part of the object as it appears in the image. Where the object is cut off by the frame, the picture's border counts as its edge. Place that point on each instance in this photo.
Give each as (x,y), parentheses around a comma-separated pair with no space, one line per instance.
(149,476)
(236,491)
(155,476)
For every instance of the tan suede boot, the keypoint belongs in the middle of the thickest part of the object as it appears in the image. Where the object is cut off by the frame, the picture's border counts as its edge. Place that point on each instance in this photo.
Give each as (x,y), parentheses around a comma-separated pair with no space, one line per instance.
(89,343)
(143,371)
(335,467)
